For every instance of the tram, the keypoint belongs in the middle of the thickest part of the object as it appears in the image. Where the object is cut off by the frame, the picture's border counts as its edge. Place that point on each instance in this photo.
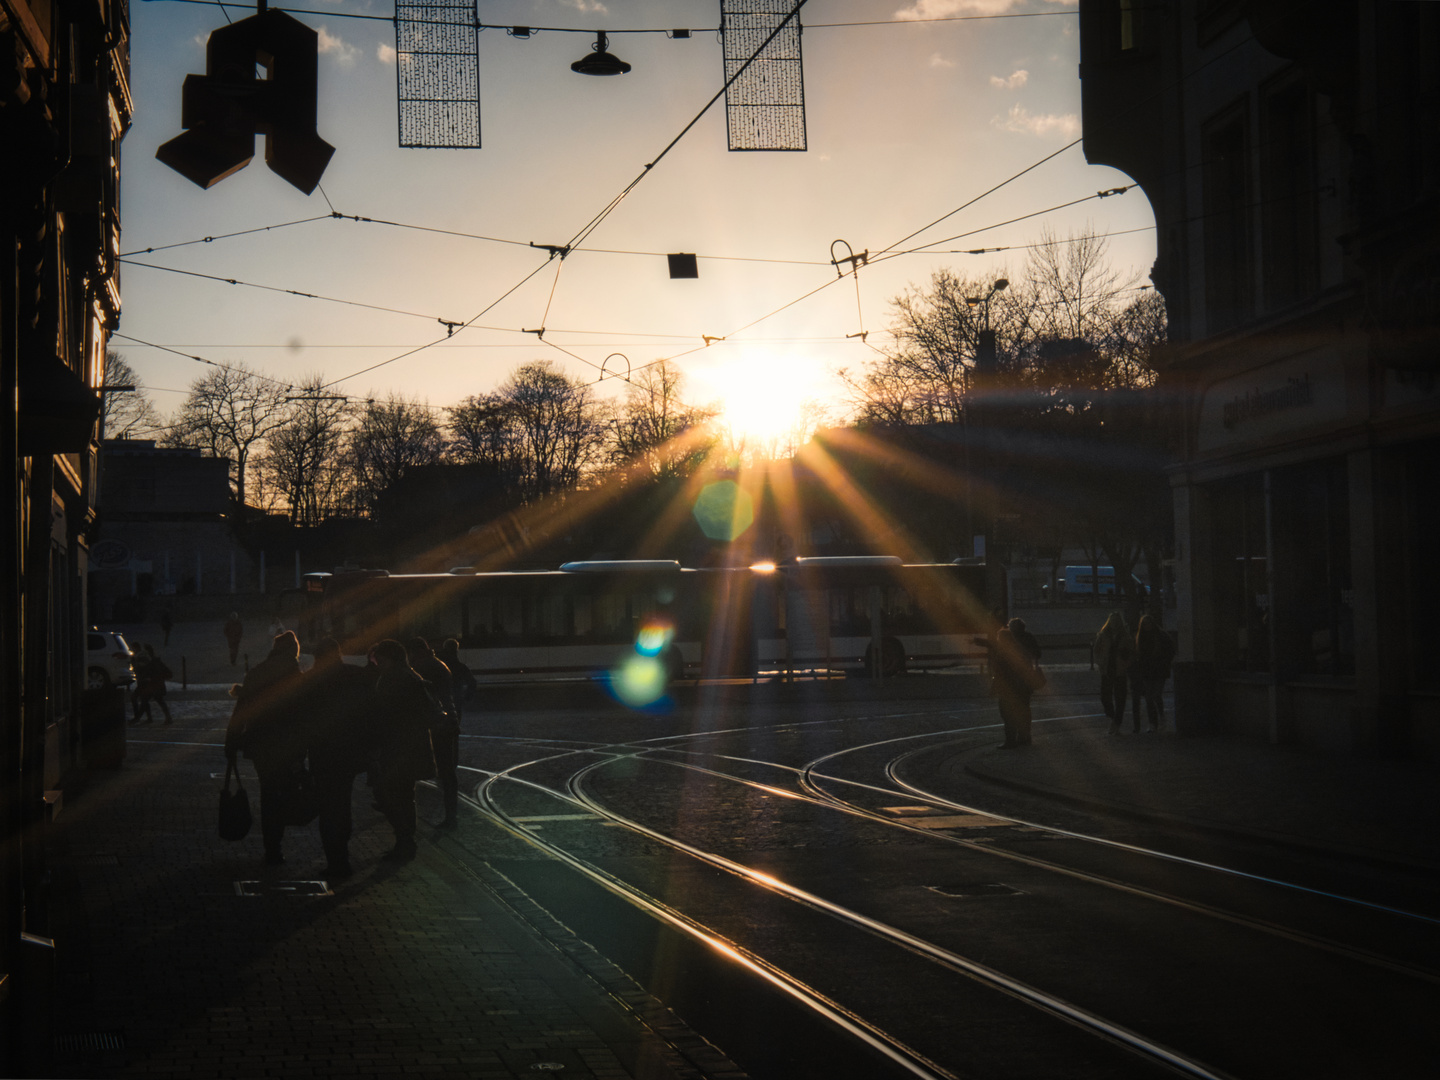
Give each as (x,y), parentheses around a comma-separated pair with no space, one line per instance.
(825,616)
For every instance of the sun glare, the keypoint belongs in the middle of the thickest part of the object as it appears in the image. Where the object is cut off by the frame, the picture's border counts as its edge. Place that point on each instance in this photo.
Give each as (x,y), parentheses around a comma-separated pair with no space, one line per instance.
(762,395)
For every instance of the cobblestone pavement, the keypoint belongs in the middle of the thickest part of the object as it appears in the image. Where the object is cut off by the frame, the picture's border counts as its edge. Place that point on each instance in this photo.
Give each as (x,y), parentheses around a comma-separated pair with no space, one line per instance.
(178,954)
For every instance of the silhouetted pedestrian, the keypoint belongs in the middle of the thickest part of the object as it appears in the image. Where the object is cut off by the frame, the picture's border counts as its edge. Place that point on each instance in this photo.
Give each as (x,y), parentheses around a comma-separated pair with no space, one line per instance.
(1114,650)
(266,725)
(1013,661)
(151,686)
(405,715)
(446,737)
(339,714)
(1153,653)
(140,692)
(167,623)
(234,631)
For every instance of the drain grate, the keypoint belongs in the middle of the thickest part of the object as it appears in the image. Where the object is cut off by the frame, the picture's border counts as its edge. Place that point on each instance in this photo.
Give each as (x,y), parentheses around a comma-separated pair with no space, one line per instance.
(282,888)
(89,1042)
(970,890)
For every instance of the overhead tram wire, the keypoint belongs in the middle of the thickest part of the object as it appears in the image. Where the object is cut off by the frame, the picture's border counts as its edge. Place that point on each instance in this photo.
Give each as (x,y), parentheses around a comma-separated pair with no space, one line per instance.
(588,30)
(599,218)
(224,236)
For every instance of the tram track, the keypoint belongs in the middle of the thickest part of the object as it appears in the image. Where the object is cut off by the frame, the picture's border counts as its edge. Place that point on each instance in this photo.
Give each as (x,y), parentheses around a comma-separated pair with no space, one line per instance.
(574,790)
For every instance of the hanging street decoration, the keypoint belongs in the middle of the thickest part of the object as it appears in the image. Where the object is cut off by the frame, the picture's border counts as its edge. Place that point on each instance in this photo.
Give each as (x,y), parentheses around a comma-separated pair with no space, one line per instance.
(437,74)
(765,106)
(224,109)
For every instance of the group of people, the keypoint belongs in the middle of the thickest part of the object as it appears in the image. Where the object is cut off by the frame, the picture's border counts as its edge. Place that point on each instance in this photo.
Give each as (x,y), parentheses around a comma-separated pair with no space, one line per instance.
(311,733)
(1139,663)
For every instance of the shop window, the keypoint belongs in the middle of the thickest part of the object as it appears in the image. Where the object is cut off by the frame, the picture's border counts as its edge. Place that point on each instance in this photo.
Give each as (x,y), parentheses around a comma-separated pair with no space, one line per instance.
(1315,627)
(1229,280)
(1242,579)
(1423,466)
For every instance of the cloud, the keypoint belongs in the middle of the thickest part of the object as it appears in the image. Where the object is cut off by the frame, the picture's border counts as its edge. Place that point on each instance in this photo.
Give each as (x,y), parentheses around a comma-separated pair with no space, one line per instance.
(336,47)
(1013,81)
(938,61)
(385,53)
(945,9)
(1044,124)
(587,6)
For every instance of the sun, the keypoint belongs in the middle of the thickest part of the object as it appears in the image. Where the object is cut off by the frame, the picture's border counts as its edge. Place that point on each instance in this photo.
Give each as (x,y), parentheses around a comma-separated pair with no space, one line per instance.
(763,395)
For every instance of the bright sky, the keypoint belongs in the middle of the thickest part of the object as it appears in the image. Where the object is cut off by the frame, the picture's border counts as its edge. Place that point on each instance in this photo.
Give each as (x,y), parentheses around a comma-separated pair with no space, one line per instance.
(906,121)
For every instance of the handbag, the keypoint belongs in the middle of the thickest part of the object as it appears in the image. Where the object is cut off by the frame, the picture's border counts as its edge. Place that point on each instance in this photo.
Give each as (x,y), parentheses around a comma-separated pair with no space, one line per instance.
(235,816)
(1035,677)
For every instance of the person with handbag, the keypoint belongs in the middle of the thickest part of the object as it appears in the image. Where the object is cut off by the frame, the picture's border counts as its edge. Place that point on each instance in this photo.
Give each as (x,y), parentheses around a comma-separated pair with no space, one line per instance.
(265,726)
(340,710)
(1015,662)
(406,712)
(445,738)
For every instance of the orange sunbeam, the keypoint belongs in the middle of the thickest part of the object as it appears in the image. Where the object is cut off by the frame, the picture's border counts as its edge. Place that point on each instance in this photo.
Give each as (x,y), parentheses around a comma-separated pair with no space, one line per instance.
(873,521)
(675,513)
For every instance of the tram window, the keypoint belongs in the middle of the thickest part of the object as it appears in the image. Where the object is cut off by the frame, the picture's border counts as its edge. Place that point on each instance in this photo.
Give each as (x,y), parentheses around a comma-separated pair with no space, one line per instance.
(510,615)
(552,621)
(584,615)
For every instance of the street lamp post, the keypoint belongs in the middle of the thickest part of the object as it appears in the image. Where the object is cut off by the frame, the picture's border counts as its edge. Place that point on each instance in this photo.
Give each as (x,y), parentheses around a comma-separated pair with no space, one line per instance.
(983,374)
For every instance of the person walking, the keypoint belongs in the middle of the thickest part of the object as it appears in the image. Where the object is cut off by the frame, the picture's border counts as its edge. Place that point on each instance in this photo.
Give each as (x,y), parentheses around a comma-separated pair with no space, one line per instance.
(167,623)
(266,726)
(1154,652)
(1114,651)
(405,715)
(234,630)
(140,692)
(340,712)
(445,738)
(152,688)
(1013,661)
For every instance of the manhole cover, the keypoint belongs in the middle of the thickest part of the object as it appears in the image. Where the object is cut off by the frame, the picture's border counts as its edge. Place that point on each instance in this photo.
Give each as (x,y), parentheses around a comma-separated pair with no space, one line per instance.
(973,889)
(282,888)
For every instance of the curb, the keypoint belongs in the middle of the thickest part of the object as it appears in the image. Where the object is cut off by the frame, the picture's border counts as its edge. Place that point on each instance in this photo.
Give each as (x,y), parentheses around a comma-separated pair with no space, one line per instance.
(1280,840)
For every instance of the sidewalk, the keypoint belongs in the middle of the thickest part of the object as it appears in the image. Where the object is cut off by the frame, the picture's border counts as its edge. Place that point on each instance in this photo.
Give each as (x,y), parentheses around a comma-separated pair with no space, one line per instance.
(1385,811)
(179,955)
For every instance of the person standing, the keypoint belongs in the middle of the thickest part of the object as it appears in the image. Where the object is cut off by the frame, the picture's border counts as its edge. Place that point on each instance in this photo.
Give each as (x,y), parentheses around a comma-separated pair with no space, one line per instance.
(152,688)
(405,714)
(266,725)
(140,693)
(1154,652)
(1114,652)
(234,630)
(445,738)
(463,687)
(339,711)
(1013,661)
(167,623)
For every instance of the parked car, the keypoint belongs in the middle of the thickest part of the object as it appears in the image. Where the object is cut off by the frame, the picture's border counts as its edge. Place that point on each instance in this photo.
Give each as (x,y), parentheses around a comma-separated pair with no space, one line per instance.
(107,660)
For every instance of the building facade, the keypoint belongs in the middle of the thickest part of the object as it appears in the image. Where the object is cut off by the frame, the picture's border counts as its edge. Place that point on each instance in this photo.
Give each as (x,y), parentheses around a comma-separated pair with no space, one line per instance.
(1289,152)
(64,107)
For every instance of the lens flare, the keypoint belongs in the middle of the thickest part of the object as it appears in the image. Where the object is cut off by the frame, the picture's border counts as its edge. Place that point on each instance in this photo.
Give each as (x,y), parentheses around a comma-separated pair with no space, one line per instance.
(639,682)
(653,638)
(724,510)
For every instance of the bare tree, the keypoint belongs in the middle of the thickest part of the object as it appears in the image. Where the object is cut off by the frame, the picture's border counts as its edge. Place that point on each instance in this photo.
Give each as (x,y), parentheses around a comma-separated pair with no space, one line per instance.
(303,459)
(657,432)
(390,437)
(126,414)
(1075,291)
(557,425)
(230,413)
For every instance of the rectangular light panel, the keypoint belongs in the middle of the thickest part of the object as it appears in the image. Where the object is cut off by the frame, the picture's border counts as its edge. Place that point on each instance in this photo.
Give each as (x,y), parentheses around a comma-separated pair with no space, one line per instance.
(437,73)
(765,106)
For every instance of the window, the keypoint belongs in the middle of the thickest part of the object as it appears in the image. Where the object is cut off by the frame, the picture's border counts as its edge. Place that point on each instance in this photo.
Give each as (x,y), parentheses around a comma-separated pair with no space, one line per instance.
(1310,514)
(1225,160)
(1242,579)
(1288,192)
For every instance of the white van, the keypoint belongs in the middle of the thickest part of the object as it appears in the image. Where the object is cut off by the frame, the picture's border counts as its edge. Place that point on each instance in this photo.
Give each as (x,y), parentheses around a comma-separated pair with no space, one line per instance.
(1080,581)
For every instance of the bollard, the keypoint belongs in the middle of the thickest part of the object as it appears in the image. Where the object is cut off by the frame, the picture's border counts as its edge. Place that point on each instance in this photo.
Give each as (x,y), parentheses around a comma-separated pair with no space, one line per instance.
(184,676)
